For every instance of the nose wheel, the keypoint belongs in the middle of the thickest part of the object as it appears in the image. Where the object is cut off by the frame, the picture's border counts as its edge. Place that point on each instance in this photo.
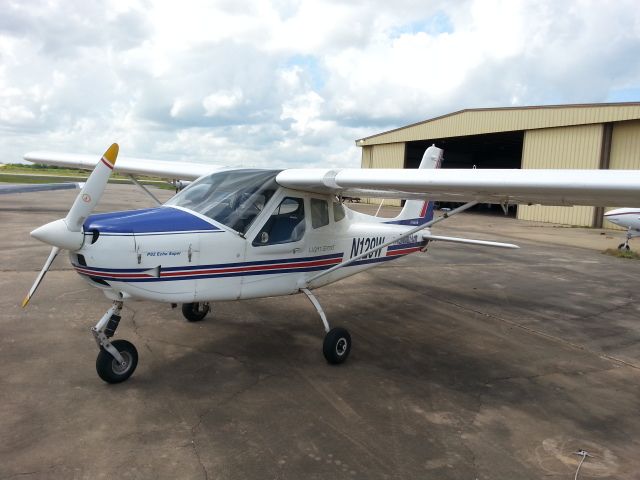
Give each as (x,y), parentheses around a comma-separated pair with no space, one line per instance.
(624,246)
(111,370)
(116,360)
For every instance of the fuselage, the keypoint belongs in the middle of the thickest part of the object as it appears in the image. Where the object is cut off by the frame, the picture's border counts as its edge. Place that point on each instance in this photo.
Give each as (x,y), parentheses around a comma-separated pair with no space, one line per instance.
(627,218)
(211,243)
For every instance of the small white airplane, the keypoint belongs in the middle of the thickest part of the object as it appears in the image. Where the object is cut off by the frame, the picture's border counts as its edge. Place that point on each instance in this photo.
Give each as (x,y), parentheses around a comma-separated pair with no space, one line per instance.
(626,217)
(237,233)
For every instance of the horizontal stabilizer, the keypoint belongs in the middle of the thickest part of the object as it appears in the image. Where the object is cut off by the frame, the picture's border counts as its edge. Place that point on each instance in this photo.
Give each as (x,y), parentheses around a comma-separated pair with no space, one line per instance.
(468,241)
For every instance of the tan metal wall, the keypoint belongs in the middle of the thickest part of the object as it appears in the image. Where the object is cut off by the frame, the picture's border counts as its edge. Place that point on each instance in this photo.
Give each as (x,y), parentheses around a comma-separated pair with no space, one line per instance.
(480,121)
(625,153)
(366,157)
(389,155)
(566,147)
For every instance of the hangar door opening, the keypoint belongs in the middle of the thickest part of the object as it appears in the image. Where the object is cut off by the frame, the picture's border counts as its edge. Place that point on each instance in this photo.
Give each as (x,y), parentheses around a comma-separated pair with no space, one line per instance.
(492,150)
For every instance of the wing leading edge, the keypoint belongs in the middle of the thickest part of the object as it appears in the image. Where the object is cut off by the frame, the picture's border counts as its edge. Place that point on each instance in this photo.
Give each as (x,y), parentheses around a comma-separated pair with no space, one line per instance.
(133,166)
(546,187)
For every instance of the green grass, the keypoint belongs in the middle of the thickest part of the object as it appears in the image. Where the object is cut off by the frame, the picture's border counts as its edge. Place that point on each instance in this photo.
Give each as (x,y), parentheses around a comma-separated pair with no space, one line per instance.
(35,178)
(614,252)
(74,173)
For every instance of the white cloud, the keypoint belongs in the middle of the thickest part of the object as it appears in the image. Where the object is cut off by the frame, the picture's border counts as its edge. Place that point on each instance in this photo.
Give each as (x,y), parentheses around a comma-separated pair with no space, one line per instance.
(291,82)
(222,101)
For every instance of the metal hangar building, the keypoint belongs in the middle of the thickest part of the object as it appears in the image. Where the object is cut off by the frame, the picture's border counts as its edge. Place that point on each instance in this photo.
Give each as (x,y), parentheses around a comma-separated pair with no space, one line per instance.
(590,136)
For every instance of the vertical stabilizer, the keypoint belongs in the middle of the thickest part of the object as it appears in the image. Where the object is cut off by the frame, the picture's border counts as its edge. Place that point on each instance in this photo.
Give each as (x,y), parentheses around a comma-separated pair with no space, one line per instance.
(416,212)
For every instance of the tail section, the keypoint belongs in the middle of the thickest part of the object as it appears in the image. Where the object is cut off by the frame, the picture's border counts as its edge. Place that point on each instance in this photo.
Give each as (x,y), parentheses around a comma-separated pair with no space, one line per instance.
(417,212)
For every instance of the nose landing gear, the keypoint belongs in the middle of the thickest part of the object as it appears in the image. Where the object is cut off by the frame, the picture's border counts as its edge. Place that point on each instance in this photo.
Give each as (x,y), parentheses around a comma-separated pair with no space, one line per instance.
(117,360)
(625,245)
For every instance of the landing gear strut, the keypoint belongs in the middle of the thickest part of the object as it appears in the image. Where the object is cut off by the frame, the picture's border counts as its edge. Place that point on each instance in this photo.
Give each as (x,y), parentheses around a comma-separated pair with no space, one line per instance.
(337,341)
(117,360)
(625,245)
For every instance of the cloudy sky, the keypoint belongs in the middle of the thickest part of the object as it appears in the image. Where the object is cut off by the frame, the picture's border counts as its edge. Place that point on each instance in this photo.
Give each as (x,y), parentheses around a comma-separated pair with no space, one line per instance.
(291,83)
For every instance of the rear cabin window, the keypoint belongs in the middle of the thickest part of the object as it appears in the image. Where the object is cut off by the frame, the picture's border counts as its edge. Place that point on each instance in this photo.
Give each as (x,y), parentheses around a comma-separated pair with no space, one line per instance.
(286,224)
(338,211)
(319,213)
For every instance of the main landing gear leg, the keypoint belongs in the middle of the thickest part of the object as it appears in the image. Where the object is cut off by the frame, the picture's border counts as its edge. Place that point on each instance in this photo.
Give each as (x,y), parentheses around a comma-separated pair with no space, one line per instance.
(117,360)
(337,341)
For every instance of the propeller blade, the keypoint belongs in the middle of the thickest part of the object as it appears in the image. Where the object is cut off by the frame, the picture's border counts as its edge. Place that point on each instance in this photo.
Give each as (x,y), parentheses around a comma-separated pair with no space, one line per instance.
(92,191)
(47,264)
(67,232)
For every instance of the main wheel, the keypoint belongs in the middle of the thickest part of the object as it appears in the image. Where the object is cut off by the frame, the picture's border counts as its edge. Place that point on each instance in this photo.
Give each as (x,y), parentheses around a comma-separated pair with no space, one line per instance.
(110,370)
(336,345)
(194,312)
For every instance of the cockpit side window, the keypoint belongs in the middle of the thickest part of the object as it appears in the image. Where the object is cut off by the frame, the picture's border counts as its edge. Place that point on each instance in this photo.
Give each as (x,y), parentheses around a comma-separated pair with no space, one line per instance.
(319,213)
(338,211)
(285,225)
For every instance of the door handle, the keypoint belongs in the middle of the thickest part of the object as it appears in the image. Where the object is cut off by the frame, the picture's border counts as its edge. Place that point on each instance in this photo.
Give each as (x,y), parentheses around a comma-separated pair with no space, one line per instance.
(297,250)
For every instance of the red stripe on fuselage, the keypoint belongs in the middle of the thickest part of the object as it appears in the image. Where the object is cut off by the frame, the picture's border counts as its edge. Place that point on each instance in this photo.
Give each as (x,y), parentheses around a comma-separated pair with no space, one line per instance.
(404,251)
(280,266)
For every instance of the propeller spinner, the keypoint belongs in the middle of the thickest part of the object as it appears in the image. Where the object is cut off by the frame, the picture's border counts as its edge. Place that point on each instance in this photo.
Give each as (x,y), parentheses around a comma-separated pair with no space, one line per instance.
(66,233)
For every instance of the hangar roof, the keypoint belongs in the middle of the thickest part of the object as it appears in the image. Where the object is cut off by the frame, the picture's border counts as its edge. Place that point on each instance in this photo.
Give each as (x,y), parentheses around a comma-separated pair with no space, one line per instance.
(492,120)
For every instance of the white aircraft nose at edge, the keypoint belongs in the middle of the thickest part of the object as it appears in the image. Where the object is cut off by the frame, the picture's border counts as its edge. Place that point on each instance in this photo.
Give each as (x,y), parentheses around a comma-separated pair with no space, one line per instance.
(237,233)
(625,217)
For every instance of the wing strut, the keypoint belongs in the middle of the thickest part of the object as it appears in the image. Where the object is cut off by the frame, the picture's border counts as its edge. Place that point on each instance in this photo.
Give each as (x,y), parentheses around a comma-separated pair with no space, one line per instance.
(145,189)
(406,234)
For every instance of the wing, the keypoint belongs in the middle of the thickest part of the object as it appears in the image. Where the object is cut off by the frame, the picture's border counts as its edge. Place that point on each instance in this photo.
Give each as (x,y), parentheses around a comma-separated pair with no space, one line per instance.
(546,187)
(137,166)
(37,187)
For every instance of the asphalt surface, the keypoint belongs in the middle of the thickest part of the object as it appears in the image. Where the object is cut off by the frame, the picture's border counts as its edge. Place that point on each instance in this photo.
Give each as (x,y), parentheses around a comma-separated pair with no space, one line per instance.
(467,363)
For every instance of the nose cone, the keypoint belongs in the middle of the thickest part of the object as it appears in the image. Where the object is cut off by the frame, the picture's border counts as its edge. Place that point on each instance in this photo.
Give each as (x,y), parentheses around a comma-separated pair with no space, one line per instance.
(57,234)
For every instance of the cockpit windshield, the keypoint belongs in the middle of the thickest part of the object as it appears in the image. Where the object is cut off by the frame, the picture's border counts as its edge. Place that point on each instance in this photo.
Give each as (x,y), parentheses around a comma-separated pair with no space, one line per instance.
(233,197)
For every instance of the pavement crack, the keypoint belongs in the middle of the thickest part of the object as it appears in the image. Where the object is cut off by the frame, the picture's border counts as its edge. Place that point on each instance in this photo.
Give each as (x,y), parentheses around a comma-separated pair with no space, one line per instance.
(35,472)
(196,426)
(194,447)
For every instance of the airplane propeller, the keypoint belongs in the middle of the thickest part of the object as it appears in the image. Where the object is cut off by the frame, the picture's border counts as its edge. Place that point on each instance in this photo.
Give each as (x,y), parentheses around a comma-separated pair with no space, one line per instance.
(66,233)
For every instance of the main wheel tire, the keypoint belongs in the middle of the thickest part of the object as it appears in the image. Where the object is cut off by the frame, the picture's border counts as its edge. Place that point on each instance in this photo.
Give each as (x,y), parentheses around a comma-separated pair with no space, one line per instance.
(108,367)
(336,345)
(621,246)
(194,312)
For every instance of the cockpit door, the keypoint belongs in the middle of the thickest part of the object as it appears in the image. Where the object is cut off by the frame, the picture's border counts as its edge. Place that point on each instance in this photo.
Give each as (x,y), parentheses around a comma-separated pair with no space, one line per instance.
(276,250)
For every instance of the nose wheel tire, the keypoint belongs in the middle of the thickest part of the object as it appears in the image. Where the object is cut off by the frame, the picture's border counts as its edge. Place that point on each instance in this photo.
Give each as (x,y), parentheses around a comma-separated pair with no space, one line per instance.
(336,345)
(110,370)
(194,312)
